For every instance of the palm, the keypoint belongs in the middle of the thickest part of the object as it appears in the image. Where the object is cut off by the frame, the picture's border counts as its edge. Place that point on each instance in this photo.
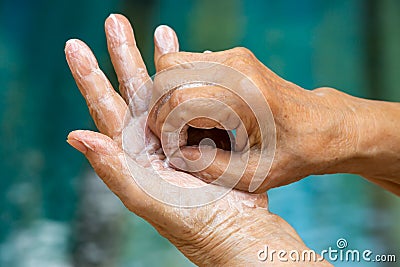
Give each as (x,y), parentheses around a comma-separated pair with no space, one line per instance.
(148,155)
(125,124)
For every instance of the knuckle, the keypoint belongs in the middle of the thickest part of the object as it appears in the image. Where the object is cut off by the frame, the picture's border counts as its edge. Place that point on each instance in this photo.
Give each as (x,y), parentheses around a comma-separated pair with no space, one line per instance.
(241,58)
(242,50)
(167,60)
(177,98)
(323,91)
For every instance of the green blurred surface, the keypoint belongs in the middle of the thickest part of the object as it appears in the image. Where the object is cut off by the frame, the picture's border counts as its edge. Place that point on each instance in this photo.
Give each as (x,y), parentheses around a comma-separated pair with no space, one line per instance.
(55,212)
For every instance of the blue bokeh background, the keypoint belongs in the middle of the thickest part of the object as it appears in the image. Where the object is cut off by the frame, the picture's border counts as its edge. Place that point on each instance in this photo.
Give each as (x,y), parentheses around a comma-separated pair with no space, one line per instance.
(54,211)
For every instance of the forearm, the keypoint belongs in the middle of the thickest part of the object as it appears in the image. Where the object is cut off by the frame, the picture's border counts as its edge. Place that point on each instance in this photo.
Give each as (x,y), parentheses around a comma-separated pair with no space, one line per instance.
(372,141)
(377,156)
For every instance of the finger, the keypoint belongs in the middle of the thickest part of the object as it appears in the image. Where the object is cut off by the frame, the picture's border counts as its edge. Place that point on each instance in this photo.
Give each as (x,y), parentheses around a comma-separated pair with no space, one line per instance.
(110,163)
(168,60)
(135,83)
(232,169)
(165,41)
(106,106)
(206,108)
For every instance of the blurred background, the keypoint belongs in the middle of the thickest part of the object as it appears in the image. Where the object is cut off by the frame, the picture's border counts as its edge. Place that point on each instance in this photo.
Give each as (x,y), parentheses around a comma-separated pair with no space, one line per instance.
(54,211)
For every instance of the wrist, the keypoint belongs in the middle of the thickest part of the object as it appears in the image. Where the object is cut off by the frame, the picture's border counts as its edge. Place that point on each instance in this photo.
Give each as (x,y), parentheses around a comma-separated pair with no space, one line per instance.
(271,241)
(377,151)
(341,135)
(237,241)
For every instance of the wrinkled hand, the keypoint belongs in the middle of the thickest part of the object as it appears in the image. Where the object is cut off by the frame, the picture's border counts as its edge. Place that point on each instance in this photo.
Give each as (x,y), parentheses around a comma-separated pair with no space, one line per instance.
(228,231)
(313,130)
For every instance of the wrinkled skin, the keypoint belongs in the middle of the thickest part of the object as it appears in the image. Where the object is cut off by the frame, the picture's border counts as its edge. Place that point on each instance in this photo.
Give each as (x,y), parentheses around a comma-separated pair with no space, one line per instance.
(317,132)
(302,120)
(227,232)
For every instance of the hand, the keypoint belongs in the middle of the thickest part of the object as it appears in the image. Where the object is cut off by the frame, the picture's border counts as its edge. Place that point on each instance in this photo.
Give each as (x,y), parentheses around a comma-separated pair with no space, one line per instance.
(228,231)
(315,131)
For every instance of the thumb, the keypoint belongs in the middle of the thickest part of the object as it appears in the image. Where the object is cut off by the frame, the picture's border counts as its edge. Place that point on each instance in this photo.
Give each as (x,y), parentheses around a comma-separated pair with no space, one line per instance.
(228,168)
(110,163)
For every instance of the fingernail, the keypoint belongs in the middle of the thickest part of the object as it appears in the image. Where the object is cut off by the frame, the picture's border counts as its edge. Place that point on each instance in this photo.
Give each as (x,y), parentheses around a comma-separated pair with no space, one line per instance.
(80,58)
(77,145)
(71,46)
(113,24)
(116,31)
(178,163)
(165,39)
